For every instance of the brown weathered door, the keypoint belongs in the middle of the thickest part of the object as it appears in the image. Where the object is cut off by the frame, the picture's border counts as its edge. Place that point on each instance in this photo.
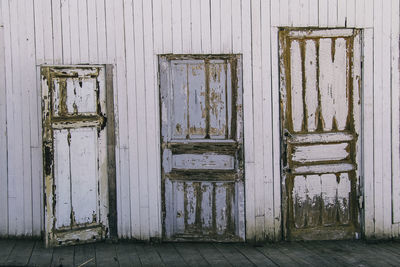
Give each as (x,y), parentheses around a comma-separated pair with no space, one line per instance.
(202,156)
(75,154)
(320,126)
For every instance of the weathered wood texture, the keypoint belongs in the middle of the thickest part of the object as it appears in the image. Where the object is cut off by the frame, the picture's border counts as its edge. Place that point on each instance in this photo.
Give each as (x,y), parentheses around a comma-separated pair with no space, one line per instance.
(328,253)
(129,34)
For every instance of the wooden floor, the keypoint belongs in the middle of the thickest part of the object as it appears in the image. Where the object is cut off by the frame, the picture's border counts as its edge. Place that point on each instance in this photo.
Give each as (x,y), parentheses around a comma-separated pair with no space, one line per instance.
(324,253)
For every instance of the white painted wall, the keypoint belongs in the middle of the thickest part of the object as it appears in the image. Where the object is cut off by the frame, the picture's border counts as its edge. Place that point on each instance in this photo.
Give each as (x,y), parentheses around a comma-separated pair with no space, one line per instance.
(130,34)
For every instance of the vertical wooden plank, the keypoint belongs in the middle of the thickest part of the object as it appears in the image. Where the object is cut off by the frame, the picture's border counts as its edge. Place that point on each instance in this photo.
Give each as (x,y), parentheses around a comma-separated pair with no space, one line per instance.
(377,115)
(296,87)
(47,32)
(57,31)
(3,127)
(284,13)
(195,11)
(351,13)
(332,13)
(166,6)
(132,123)
(65,32)
(323,13)
(120,57)
(276,132)
(215,7)
(205,27)
(92,32)
(311,90)
(236,26)
(74,31)
(63,181)
(369,13)
(294,12)
(386,117)
(268,186)
(394,48)
(186,27)
(101,32)
(105,13)
(153,144)
(304,13)
(141,110)
(360,13)
(39,46)
(275,11)
(28,72)
(83,31)
(226,26)
(158,26)
(8,91)
(248,120)
(15,145)
(313,13)
(368,133)
(258,117)
(341,13)
(176,26)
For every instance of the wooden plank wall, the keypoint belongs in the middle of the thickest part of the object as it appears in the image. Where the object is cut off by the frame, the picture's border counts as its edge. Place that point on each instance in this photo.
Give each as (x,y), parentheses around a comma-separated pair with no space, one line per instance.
(130,34)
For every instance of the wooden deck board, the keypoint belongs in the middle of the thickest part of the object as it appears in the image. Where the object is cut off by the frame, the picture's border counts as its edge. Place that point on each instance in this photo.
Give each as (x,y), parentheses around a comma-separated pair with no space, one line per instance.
(20,253)
(127,254)
(63,256)
(169,255)
(41,256)
(148,255)
(311,253)
(213,256)
(6,247)
(106,255)
(234,257)
(190,254)
(85,255)
(254,256)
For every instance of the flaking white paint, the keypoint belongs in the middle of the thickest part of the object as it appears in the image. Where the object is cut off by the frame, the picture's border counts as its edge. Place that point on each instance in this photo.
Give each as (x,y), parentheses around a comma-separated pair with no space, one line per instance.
(130,34)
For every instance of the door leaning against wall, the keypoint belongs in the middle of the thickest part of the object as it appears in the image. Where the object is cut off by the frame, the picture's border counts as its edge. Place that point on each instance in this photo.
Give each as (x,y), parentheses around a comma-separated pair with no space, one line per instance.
(320,133)
(202,141)
(78,165)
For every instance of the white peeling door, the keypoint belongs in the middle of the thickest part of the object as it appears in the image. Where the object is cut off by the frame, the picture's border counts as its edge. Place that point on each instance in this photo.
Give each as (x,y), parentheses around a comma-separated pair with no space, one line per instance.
(202,148)
(320,132)
(75,154)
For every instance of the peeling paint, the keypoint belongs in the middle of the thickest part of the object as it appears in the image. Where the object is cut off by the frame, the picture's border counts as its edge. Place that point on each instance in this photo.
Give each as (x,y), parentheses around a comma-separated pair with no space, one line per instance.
(319,136)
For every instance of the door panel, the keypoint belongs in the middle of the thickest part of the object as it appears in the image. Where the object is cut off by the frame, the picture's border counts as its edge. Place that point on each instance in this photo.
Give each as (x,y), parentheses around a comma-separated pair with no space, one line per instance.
(202,162)
(75,154)
(320,127)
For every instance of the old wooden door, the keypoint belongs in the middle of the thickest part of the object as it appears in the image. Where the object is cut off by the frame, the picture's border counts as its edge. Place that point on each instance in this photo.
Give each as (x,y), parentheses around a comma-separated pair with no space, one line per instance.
(202,157)
(320,132)
(74,151)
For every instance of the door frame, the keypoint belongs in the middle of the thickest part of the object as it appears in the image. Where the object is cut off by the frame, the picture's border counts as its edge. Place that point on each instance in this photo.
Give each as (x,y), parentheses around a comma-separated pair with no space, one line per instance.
(48,150)
(359,157)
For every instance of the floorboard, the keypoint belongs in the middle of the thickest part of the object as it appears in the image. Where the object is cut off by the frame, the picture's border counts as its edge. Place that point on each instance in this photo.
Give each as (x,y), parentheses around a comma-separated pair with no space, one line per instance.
(63,256)
(106,255)
(169,255)
(41,256)
(148,255)
(234,257)
(6,247)
(190,254)
(85,255)
(127,255)
(20,253)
